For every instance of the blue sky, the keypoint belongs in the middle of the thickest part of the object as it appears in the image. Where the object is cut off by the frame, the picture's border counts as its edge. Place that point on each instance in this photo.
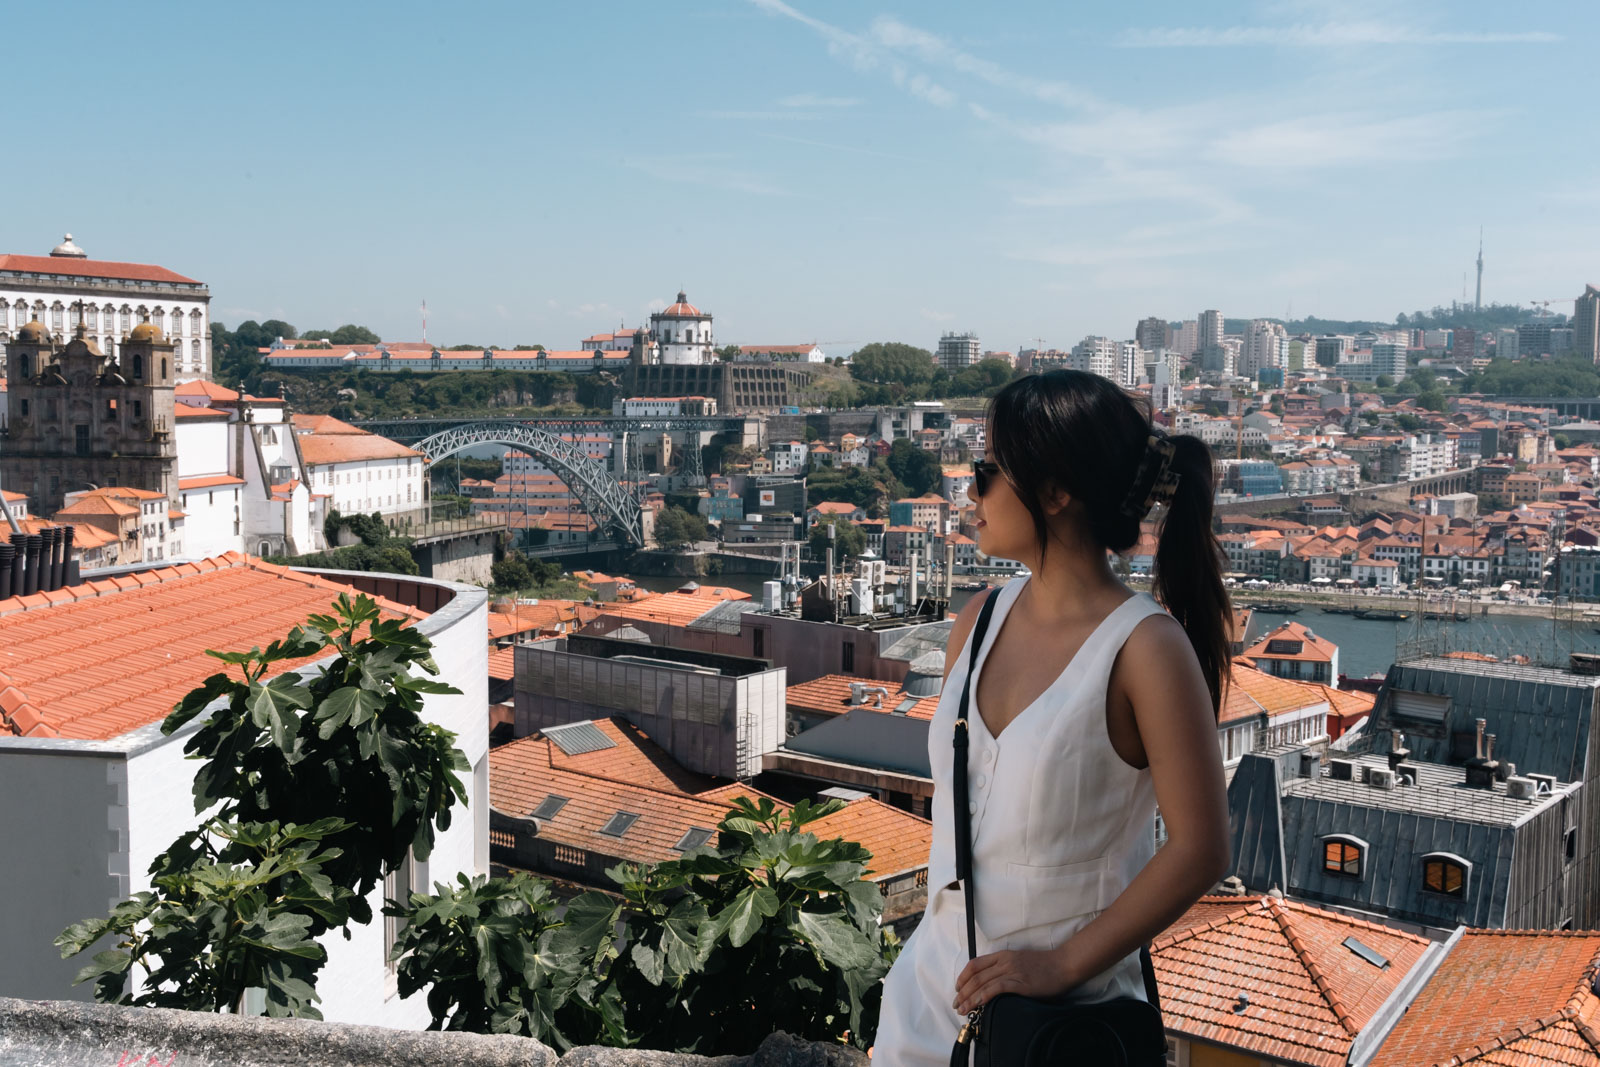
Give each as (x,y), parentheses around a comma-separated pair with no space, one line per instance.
(837,172)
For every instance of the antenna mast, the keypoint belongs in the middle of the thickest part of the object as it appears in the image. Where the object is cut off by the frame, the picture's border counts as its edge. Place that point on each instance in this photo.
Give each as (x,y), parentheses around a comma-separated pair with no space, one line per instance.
(1478,304)
(424,322)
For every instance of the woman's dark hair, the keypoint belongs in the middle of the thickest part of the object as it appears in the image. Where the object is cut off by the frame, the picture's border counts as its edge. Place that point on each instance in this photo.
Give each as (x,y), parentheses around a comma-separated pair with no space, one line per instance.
(1087,436)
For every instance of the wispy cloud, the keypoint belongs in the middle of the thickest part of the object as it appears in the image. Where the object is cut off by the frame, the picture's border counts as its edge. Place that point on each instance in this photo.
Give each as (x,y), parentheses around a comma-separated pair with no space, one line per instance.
(930,48)
(1324,35)
(863,54)
(812,100)
(711,170)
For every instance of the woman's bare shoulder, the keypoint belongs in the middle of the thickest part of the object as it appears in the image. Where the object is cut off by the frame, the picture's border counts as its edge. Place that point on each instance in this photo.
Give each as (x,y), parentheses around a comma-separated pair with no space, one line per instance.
(965,620)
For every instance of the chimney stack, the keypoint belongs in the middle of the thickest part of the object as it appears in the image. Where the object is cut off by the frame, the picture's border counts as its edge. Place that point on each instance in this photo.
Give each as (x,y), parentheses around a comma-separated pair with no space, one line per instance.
(69,566)
(7,552)
(1397,750)
(19,544)
(33,545)
(1482,769)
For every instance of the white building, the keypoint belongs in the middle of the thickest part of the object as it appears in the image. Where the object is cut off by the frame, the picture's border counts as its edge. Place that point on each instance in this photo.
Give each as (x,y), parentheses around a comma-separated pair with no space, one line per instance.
(81,751)
(1186,338)
(1209,333)
(243,484)
(788,457)
(359,471)
(807,353)
(683,333)
(115,297)
(1266,347)
(1097,355)
(957,351)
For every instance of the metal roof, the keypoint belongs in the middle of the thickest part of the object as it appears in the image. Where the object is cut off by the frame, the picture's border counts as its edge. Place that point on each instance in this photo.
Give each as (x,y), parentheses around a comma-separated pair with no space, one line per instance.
(576,738)
(1441,792)
(725,617)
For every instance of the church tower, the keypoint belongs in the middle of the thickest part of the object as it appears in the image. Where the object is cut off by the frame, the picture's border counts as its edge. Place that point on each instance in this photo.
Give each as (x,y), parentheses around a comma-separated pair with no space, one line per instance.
(79,419)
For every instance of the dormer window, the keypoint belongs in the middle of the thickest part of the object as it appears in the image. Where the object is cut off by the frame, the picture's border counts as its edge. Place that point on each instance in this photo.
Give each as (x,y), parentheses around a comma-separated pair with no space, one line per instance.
(1343,855)
(1446,874)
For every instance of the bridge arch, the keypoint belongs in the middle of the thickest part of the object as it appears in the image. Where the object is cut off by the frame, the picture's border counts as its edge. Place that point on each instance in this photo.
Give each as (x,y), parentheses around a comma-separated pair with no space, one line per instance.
(607,501)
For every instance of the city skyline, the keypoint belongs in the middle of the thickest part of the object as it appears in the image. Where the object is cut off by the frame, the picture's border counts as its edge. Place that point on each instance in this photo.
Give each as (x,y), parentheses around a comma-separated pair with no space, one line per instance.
(818,172)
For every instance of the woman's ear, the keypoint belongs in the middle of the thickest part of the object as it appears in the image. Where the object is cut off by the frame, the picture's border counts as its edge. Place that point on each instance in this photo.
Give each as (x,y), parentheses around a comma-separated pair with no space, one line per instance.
(1055,500)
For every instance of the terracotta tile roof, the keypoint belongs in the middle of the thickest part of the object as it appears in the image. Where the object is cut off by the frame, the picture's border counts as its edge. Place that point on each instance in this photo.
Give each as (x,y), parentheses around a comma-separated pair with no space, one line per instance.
(1512,997)
(322,424)
(115,654)
(95,504)
(830,695)
(676,609)
(208,481)
(189,411)
(1252,691)
(209,390)
(638,776)
(1307,994)
(1313,649)
(503,664)
(92,268)
(341,447)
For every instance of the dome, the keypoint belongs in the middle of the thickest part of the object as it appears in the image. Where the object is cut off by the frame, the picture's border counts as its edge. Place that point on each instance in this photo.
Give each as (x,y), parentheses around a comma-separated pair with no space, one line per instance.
(689,587)
(145,332)
(683,309)
(925,676)
(32,333)
(67,248)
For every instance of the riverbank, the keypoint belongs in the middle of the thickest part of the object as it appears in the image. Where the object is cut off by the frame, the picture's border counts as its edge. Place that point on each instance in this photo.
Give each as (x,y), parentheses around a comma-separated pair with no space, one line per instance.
(1347,603)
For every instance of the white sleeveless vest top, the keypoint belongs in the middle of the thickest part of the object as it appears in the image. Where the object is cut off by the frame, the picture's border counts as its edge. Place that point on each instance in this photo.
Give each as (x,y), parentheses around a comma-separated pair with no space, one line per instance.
(1060,824)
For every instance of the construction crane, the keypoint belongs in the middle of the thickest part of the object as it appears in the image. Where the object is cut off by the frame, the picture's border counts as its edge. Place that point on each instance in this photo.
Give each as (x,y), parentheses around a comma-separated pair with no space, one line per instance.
(1546,305)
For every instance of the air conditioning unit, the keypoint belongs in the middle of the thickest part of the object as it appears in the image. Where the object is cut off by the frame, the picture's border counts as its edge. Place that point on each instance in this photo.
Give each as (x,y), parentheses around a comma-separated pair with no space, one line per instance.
(1380,777)
(1546,783)
(1522,788)
(1342,770)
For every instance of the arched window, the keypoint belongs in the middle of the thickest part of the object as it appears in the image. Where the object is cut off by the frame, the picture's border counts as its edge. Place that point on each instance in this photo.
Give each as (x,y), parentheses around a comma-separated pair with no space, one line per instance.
(163,369)
(1445,873)
(27,365)
(1343,855)
(138,365)
(158,319)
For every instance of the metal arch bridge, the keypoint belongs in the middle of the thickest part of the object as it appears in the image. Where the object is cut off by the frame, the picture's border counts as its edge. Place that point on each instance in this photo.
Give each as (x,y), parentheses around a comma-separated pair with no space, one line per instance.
(611,504)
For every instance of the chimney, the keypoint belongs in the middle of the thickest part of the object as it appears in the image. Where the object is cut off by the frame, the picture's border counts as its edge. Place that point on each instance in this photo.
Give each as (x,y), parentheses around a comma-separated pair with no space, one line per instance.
(69,565)
(33,545)
(1482,767)
(1397,750)
(911,597)
(58,562)
(7,552)
(949,569)
(47,559)
(19,545)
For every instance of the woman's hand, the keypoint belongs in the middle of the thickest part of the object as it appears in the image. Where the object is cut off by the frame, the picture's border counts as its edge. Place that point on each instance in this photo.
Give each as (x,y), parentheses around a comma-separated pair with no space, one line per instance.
(1032,973)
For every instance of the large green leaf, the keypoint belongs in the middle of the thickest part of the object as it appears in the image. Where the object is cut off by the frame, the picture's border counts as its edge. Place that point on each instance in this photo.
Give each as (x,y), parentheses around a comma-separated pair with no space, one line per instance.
(273,706)
(744,916)
(349,703)
(834,938)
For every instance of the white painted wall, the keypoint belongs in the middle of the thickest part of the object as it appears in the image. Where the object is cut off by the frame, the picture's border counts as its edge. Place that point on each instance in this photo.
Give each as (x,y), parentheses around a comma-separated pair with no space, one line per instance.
(113,316)
(214,522)
(365,486)
(202,447)
(99,812)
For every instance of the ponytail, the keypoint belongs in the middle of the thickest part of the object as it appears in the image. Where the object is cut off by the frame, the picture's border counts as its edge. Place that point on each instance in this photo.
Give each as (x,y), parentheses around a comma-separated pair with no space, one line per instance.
(1187,577)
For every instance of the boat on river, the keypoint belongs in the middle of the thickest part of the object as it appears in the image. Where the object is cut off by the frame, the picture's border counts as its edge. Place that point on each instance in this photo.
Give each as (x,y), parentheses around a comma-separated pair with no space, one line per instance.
(1275,607)
(1382,615)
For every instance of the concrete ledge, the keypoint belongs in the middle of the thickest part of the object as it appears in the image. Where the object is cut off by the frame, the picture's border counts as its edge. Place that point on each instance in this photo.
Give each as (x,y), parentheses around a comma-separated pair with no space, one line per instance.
(58,1033)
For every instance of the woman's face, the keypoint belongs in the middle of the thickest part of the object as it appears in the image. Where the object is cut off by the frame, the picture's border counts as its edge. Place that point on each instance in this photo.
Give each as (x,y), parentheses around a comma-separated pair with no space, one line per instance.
(1005,526)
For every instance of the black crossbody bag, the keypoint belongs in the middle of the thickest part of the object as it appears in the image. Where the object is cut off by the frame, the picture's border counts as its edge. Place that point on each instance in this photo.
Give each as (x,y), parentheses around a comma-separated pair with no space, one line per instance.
(1016,1031)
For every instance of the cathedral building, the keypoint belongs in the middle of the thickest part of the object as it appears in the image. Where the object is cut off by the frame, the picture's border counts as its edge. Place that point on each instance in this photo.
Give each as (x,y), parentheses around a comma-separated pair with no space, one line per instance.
(79,418)
(682,334)
(111,299)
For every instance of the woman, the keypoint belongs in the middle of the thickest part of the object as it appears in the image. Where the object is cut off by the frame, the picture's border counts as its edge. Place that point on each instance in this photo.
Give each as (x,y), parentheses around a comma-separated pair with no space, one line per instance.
(1090,706)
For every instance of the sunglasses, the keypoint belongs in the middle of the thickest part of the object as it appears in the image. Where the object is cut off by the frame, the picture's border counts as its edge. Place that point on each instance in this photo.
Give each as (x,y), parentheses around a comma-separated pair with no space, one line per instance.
(982,474)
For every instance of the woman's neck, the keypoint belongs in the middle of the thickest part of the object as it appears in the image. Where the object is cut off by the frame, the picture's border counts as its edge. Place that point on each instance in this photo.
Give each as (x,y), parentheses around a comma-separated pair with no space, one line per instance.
(1069,579)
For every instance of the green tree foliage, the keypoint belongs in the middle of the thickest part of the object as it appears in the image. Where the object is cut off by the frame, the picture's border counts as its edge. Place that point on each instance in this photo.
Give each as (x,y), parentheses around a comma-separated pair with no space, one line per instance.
(705,954)
(849,540)
(916,467)
(726,353)
(517,573)
(1431,399)
(484,470)
(866,488)
(1408,422)
(320,786)
(378,550)
(347,334)
(1568,376)
(676,527)
(983,378)
(885,362)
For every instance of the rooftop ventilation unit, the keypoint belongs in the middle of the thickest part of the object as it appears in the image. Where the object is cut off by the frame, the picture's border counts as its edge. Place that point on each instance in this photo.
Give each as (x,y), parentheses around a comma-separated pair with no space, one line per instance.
(1380,778)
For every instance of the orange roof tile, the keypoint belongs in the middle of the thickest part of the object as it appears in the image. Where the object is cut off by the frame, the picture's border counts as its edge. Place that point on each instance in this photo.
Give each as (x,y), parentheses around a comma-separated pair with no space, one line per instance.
(1512,997)
(675,609)
(208,481)
(1252,692)
(320,448)
(1313,649)
(117,655)
(637,776)
(92,268)
(1307,995)
(95,504)
(830,695)
(209,390)
(189,411)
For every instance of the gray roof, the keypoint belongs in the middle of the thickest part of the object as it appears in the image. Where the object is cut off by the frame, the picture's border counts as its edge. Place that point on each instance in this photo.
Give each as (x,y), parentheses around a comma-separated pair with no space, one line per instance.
(918,641)
(1279,822)
(868,738)
(725,617)
(1540,716)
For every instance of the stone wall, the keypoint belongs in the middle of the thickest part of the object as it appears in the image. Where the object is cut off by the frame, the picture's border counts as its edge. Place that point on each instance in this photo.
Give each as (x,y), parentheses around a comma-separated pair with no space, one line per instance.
(43,1033)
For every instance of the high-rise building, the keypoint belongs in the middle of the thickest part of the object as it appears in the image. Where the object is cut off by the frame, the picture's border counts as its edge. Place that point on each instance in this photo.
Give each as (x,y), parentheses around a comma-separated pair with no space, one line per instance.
(1505,343)
(1533,339)
(1153,333)
(1130,363)
(1586,324)
(1464,346)
(958,351)
(1389,357)
(1186,339)
(1097,355)
(1210,326)
(1330,350)
(1266,347)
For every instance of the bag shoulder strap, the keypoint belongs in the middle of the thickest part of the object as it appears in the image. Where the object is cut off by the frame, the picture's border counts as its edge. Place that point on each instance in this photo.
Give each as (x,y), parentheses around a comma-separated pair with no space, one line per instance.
(961,792)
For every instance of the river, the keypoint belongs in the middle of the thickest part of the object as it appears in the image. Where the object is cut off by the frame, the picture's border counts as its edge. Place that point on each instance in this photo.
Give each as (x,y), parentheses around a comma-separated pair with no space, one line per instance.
(1365,646)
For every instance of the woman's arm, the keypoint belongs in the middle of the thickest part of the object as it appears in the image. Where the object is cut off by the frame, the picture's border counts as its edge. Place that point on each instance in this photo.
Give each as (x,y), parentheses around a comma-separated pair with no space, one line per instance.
(1159,677)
